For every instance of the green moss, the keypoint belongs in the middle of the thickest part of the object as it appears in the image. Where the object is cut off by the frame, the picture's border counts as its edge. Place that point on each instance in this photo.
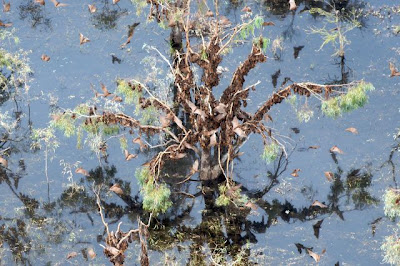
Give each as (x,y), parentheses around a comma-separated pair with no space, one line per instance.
(65,123)
(123,142)
(391,248)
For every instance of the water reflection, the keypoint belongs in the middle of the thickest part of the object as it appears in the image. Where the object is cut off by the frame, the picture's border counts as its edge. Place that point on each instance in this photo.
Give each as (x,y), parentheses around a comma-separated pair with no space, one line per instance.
(35,13)
(107,15)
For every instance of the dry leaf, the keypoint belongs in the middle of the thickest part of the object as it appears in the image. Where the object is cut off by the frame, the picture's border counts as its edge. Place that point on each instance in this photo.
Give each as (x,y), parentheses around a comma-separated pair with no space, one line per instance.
(117,99)
(220,108)
(115,1)
(5,25)
(72,254)
(178,122)
(165,121)
(292,4)
(295,172)
(117,189)
(92,8)
(6,6)
(106,93)
(82,171)
(268,118)
(58,4)
(45,58)
(4,162)
(352,130)
(330,176)
(269,23)
(41,2)
(209,13)
(393,70)
(129,156)
(114,251)
(236,127)
(319,204)
(177,155)
(336,150)
(131,30)
(224,21)
(246,9)
(314,255)
(213,140)
(251,205)
(83,39)
(139,141)
(314,147)
(195,167)
(91,253)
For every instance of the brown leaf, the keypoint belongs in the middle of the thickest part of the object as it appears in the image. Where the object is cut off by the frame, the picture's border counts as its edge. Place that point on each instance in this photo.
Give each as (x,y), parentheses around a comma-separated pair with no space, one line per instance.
(106,93)
(177,155)
(330,176)
(314,147)
(5,25)
(91,253)
(58,4)
(295,172)
(82,171)
(92,8)
(319,204)
(41,2)
(268,23)
(83,39)
(213,140)
(45,58)
(220,108)
(138,140)
(72,254)
(393,70)
(251,205)
(201,113)
(129,156)
(117,189)
(191,105)
(224,21)
(194,168)
(236,127)
(165,121)
(352,130)
(117,99)
(114,251)
(314,255)
(6,6)
(246,9)
(131,30)
(336,150)
(115,1)
(268,118)
(209,13)
(178,122)
(4,162)
(292,4)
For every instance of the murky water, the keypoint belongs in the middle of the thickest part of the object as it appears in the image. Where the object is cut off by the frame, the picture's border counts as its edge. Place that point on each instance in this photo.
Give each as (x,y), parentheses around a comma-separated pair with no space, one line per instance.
(41,222)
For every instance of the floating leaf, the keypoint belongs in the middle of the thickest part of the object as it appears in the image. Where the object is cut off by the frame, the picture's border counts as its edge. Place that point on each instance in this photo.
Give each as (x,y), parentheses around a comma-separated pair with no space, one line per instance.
(131,30)
(330,176)
(317,227)
(82,171)
(129,156)
(117,189)
(246,9)
(92,8)
(58,4)
(83,39)
(5,25)
(314,255)
(115,1)
(45,58)
(6,6)
(41,2)
(352,130)
(251,205)
(139,141)
(4,162)
(72,254)
(393,70)
(114,251)
(335,149)
(268,23)
(236,127)
(91,253)
(177,155)
(295,172)
(314,147)
(319,204)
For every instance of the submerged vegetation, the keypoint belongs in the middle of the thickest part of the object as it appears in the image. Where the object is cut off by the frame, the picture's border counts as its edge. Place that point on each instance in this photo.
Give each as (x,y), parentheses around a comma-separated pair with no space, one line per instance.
(190,121)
